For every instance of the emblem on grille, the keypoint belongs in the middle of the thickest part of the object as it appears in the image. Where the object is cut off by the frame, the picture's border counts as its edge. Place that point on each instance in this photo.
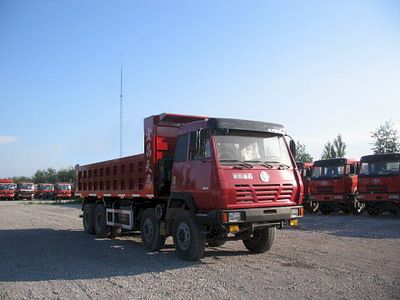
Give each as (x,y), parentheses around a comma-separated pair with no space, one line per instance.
(264,176)
(376,180)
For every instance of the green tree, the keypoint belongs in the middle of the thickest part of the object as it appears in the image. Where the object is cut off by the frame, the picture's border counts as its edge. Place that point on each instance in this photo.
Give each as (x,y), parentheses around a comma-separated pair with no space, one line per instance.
(339,146)
(302,155)
(337,149)
(18,179)
(66,175)
(386,139)
(329,151)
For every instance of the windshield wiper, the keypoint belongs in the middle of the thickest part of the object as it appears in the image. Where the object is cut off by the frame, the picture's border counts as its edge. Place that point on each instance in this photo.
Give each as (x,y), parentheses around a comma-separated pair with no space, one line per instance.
(237,161)
(281,165)
(262,163)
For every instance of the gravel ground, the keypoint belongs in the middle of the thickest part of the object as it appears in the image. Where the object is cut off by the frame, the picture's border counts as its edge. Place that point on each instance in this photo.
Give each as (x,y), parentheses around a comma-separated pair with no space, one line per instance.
(44,254)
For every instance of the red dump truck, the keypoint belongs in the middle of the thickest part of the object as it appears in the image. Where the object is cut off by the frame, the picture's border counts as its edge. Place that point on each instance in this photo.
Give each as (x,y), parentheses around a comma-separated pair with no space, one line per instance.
(7,189)
(201,180)
(62,190)
(379,183)
(25,190)
(305,170)
(44,191)
(333,186)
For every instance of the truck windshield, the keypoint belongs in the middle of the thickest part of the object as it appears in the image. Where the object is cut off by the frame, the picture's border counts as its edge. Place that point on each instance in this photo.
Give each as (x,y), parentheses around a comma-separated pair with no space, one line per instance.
(26,186)
(45,187)
(264,150)
(327,172)
(380,168)
(6,186)
(64,187)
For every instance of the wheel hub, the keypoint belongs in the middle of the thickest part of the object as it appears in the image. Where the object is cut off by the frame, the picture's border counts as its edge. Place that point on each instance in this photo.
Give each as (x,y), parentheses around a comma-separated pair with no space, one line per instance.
(183,235)
(148,229)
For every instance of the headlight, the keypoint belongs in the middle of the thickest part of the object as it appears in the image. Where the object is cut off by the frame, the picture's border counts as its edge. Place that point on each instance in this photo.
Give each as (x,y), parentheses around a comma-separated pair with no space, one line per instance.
(394,197)
(294,213)
(338,197)
(360,196)
(235,216)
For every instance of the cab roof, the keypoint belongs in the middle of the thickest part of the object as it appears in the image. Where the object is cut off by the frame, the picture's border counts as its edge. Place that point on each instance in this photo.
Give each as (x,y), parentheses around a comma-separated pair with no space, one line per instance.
(247,125)
(381,157)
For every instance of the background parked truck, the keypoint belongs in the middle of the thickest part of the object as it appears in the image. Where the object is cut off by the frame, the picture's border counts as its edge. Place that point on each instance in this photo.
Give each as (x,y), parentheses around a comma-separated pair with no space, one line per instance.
(7,189)
(44,191)
(25,190)
(305,170)
(62,190)
(379,183)
(201,180)
(333,186)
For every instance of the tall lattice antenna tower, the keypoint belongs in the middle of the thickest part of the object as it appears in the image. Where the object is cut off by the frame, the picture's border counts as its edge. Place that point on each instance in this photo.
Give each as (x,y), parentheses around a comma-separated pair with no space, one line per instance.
(121,115)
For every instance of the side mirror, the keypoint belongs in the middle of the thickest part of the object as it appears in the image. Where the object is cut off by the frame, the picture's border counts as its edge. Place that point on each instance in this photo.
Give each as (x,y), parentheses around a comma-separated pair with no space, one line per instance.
(292,146)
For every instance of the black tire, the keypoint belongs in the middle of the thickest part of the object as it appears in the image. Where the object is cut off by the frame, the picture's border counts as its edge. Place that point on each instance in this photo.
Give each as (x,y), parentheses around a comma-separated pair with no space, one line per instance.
(261,241)
(326,210)
(393,211)
(216,243)
(88,217)
(100,226)
(374,211)
(347,210)
(150,231)
(189,240)
(115,231)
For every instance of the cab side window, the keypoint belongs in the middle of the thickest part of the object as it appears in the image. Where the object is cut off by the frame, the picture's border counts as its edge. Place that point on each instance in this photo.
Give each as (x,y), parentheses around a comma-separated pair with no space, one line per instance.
(181,148)
(199,144)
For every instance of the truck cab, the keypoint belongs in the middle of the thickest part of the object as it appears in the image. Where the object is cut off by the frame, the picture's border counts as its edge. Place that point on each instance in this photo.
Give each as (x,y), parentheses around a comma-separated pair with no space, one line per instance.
(45,191)
(7,189)
(62,190)
(379,183)
(25,190)
(333,186)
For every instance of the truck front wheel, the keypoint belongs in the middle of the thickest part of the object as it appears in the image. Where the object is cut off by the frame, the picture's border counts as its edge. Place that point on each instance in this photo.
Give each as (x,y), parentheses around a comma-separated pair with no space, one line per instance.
(261,240)
(150,231)
(189,240)
(88,217)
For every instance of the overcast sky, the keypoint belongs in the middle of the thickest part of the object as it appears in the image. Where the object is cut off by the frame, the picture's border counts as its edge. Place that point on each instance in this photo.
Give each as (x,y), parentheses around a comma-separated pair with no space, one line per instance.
(318,67)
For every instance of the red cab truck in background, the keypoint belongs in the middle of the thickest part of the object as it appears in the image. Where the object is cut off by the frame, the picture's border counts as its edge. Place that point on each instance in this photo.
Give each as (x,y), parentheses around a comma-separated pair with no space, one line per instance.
(25,190)
(201,180)
(379,183)
(62,190)
(305,170)
(7,189)
(333,186)
(44,191)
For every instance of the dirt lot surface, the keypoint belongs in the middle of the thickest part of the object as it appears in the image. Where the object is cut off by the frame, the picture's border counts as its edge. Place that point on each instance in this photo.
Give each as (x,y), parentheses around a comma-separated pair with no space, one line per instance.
(44,254)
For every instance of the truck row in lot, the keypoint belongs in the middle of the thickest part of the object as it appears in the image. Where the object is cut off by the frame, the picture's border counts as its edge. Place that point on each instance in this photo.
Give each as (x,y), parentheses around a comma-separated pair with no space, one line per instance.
(200,180)
(373,183)
(28,190)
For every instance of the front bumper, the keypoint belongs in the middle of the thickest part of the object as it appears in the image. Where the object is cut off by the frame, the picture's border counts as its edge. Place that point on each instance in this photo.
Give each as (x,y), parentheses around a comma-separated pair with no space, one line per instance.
(273,215)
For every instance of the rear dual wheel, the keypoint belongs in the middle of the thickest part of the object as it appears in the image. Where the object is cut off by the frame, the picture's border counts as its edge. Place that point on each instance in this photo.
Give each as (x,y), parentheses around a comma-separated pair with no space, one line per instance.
(326,210)
(150,231)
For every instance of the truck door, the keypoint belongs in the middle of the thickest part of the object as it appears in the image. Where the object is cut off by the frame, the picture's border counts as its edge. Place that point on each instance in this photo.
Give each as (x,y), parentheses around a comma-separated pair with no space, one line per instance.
(200,166)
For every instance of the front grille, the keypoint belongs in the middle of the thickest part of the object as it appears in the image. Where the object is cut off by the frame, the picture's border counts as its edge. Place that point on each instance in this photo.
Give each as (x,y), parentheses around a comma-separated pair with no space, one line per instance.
(263,192)
(376,189)
(325,190)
